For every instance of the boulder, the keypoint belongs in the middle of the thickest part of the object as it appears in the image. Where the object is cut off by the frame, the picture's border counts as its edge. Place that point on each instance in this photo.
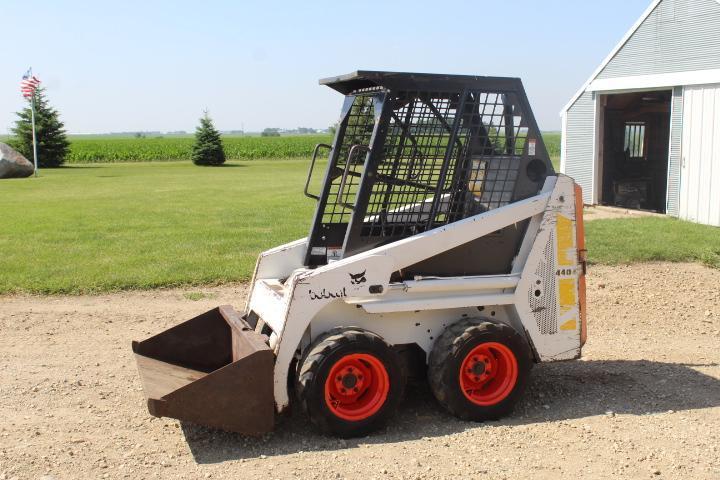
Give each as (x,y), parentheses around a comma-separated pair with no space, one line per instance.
(12,164)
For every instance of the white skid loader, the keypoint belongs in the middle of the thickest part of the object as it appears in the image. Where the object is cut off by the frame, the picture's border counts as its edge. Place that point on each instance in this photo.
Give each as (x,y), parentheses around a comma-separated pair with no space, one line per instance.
(443,244)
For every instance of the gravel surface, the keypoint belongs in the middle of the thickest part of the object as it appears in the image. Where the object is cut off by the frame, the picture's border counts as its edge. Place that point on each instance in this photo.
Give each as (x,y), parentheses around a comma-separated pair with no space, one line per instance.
(603,212)
(643,403)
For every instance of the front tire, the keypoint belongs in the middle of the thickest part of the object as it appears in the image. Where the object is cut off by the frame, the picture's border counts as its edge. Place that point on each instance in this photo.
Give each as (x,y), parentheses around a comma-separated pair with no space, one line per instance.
(350,382)
(478,369)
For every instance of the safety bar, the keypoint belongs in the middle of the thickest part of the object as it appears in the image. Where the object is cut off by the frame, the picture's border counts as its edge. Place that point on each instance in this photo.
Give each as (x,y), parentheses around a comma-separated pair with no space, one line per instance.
(312,167)
(341,189)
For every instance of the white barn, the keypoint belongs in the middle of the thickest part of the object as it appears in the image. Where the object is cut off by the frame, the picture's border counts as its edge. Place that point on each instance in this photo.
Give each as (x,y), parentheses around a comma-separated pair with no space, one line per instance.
(644,130)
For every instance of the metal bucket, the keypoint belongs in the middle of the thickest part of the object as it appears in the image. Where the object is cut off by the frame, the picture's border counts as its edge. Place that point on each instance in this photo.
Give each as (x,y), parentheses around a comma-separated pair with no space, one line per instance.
(212,370)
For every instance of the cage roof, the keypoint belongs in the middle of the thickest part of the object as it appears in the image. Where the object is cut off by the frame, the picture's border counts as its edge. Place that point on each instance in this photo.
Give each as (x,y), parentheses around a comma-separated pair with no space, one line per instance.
(362,79)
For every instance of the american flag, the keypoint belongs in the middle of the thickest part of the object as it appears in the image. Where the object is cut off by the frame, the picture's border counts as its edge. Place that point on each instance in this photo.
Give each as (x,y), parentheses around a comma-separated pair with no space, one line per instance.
(29,84)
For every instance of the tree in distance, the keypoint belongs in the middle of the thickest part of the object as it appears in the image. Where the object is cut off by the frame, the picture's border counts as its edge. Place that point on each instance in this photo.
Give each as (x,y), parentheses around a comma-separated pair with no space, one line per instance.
(208,148)
(52,143)
(270,132)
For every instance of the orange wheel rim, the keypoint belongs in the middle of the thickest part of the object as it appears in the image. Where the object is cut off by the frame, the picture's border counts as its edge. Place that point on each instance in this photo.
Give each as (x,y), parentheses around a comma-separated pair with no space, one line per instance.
(488,374)
(356,387)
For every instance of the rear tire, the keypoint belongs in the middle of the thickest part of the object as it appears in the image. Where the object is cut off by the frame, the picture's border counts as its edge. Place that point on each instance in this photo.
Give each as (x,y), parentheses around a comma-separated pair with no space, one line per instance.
(478,369)
(350,382)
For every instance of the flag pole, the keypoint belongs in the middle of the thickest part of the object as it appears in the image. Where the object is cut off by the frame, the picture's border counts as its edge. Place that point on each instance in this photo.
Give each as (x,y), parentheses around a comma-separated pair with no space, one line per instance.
(32,116)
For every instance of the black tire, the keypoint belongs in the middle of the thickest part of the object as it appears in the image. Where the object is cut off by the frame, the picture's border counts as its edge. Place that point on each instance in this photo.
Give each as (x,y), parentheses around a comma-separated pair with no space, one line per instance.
(319,361)
(453,347)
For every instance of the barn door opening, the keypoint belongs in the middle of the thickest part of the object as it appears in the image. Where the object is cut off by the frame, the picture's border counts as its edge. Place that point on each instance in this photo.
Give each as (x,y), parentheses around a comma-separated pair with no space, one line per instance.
(635,150)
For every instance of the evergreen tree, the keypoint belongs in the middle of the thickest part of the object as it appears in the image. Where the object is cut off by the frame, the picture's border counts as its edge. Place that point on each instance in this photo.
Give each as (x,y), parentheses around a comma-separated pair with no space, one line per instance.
(52,144)
(208,148)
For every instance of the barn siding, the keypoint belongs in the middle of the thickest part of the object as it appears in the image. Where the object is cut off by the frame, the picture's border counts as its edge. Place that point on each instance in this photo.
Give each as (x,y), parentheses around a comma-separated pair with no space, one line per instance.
(700,179)
(678,36)
(676,125)
(579,136)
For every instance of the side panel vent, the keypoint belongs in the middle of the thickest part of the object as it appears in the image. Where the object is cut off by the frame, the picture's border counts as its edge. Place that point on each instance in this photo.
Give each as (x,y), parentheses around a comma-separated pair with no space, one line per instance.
(542,293)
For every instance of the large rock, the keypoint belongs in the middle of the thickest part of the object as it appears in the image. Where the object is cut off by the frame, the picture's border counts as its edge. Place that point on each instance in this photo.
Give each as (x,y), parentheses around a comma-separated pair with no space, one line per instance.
(12,164)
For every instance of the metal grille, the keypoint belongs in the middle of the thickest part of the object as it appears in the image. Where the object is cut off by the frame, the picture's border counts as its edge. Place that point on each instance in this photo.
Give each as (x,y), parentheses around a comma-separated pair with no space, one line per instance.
(353,149)
(492,181)
(542,296)
(447,156)
(411,168)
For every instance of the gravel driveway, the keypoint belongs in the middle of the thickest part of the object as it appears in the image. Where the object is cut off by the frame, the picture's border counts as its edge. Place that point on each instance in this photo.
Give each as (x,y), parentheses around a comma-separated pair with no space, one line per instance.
(643,403)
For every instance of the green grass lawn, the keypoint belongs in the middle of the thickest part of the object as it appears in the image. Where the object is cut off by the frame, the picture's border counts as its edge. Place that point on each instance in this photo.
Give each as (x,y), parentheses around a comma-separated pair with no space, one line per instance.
(108,227)
(123,226)
(647,239)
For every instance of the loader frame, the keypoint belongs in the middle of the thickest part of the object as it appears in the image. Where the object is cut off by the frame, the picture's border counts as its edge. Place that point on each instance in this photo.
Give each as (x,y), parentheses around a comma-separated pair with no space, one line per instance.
(540,297)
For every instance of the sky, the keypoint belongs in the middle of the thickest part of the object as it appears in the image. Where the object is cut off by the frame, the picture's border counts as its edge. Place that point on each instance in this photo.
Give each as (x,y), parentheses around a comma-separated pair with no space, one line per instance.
(156,66)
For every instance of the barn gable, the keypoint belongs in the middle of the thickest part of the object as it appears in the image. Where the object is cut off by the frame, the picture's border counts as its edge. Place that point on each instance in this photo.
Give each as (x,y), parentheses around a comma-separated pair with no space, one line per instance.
(671,37)
(677,36)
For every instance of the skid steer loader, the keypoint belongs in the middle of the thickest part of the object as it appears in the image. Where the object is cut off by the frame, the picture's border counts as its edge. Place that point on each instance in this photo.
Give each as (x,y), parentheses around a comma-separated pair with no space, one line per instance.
(442,244)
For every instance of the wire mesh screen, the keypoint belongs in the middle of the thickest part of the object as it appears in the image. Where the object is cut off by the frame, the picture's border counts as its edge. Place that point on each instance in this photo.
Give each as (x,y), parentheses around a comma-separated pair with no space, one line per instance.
(350,160)
(447,156)
(412,163)
(492,181)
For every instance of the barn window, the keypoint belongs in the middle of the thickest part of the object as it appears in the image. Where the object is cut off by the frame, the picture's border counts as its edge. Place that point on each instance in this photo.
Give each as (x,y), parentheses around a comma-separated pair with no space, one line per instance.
(635,140)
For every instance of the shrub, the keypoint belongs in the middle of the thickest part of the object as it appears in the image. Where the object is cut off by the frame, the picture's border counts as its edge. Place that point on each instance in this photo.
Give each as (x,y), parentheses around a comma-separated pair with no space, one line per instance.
(208,147)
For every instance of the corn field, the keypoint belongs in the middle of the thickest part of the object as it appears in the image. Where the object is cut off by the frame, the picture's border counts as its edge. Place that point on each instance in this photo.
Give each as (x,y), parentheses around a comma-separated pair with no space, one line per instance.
(109,149)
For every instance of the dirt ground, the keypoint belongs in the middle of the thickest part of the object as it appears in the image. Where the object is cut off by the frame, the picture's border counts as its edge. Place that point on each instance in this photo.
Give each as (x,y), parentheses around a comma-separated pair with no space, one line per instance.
(602,212)
(643,403)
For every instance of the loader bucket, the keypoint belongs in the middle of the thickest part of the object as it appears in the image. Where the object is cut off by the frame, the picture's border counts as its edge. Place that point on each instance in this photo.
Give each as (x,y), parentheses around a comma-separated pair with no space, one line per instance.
(212,370)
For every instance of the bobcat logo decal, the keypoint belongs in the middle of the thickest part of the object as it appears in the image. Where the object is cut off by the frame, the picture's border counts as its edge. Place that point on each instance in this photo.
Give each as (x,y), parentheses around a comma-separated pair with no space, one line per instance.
(358,278)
